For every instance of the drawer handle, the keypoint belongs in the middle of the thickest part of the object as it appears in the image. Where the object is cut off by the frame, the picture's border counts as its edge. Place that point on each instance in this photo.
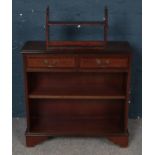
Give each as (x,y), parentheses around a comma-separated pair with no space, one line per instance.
(103,62)
(50,66)
(106,62)
(98,61)
(45,61)
(54,62)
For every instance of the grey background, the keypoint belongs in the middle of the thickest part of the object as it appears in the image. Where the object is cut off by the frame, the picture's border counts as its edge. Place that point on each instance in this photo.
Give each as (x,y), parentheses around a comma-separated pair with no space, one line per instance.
(29,24)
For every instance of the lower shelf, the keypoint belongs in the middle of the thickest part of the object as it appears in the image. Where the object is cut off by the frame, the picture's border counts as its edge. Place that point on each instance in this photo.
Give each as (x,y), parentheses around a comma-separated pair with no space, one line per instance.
(76,126)
(74,117)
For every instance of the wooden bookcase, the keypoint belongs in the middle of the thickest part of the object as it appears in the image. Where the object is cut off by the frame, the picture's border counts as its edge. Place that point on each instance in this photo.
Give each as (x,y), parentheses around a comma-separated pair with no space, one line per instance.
(76,89)
(82,92)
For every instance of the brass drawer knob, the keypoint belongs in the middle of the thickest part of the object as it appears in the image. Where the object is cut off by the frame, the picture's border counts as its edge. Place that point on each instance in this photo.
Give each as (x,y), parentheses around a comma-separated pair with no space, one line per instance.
(50,66)
(45,61)
(103,62)
(107,61)
(98,61)
(54,62)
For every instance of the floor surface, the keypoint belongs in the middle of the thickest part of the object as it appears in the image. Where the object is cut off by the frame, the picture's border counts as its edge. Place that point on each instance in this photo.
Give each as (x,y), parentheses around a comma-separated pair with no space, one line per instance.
(77,146)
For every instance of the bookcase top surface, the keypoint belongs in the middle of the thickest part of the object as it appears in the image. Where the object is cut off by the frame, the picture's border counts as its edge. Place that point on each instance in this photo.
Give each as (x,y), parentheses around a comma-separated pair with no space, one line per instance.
(62,47)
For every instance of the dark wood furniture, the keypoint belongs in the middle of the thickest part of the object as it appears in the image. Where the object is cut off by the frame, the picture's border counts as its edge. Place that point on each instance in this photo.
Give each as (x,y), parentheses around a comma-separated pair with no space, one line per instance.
(77,88)
(51,43)
(77,91)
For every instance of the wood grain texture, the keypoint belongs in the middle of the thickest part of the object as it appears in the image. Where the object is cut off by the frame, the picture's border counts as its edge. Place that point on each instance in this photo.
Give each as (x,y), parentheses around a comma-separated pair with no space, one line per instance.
(86,93)
(32,140)
(103,62)
(113,47)
(121,140)
(103,23)
(46,61)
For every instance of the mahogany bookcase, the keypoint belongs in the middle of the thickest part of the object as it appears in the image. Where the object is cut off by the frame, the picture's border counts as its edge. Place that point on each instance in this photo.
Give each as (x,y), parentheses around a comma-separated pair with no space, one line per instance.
(78,88)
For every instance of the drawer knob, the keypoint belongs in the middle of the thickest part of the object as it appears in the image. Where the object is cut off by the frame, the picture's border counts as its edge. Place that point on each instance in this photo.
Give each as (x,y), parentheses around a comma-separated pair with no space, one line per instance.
(98,61)
(107,61)
(50,66)
(54,62)
(103,62)
(46,61)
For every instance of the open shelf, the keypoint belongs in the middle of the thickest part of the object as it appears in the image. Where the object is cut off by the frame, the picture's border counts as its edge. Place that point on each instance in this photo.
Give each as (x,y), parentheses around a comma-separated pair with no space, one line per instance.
(77,126)
(76,86)
(49,24)
(74,116)
(71,108)
(76,94)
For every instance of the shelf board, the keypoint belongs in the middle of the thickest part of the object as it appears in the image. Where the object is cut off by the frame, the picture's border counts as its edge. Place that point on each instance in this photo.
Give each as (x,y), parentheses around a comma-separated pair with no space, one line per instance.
(77,127)
(75,94)
(35,96)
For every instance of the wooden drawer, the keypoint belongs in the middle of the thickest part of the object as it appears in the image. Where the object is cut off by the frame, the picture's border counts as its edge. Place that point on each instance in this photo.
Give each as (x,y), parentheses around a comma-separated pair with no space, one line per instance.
(103,62)
(50,61)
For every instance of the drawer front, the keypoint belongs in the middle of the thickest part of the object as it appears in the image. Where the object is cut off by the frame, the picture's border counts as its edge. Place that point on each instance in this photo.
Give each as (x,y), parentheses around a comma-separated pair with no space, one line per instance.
(50,61)
(103,62)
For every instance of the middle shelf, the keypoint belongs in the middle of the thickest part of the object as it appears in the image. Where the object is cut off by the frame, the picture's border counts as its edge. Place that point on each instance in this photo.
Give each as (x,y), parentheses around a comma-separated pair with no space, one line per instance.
(76,94)
(76,86)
